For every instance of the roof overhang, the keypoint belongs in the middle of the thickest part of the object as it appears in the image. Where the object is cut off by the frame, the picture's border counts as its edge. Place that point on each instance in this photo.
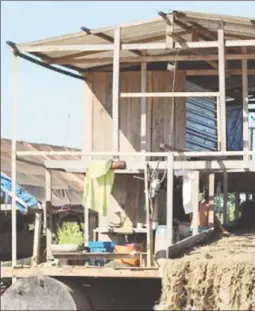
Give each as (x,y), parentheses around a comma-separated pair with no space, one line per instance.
(92,49)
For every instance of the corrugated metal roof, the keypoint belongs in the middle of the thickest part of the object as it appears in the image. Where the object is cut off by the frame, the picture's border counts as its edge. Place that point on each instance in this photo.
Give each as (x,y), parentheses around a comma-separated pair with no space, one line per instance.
(67,187)
(144,31)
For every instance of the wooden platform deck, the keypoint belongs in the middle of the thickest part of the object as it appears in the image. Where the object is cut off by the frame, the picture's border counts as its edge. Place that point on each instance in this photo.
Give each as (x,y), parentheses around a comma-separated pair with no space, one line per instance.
(81,271)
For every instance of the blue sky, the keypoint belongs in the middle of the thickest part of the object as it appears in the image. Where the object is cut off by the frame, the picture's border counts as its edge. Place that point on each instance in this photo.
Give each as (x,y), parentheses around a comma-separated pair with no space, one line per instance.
(47,100)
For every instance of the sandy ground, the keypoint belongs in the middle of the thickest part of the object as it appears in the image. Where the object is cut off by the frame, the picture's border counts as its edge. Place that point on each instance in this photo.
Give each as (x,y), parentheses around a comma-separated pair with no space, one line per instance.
(219,276)
(230,248)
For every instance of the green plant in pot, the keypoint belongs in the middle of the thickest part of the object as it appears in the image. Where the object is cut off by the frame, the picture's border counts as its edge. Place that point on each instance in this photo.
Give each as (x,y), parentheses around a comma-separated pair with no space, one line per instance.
(69,237)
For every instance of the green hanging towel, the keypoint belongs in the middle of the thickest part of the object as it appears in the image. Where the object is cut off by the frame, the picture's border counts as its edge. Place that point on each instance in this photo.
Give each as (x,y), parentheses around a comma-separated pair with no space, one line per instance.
(98,186)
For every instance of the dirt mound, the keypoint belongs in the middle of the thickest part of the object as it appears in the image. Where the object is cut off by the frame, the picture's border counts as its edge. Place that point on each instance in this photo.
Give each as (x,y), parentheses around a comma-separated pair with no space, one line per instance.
(220,276)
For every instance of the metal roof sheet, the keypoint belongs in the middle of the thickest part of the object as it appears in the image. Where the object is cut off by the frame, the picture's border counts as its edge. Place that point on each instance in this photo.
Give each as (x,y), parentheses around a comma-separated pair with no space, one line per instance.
(67,187)
(143,31)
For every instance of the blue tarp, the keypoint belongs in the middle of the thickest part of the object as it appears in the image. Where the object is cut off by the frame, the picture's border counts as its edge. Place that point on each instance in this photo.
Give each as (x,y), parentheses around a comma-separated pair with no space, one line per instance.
(6,188)
(235,128)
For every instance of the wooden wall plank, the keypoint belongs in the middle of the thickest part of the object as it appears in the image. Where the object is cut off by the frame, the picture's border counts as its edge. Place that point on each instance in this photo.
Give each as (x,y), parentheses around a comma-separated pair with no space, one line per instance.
(128,191)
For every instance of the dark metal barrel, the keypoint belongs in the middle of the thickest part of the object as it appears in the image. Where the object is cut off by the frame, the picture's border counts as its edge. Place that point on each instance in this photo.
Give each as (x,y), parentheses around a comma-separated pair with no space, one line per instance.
(44,293)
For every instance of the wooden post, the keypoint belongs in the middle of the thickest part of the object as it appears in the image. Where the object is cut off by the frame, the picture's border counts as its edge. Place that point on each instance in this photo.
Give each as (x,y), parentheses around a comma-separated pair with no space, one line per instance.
(88,119)
(48,199)
(211,200)
(44,207)
(86,221)
(237,201)
(88,147)
(148,217)
(115,89)
(143,144)
(169,32)
(225,197)
(218,123)
(14,164)
(169,200)
(245,105)
(37,237)
(195,219)
(222,88)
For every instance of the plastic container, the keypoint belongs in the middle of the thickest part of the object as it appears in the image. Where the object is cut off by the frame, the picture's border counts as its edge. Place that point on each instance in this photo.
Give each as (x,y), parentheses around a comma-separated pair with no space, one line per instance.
(160,241)
(128,248)
(203,215)
(100,247)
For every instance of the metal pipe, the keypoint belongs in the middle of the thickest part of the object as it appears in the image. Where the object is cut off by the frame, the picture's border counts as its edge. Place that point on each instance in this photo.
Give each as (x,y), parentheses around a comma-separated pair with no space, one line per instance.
(37,62)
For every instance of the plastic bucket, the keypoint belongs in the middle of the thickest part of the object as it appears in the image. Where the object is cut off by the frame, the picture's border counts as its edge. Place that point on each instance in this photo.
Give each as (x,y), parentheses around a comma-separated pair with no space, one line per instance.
(160,242)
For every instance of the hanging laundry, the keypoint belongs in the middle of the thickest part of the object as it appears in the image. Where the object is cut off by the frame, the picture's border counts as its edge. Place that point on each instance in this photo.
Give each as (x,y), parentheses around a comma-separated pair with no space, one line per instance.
(188,177)
(98,186)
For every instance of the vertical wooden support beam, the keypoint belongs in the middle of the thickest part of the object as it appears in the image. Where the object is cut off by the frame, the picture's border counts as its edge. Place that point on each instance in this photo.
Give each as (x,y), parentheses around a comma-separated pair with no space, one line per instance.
(225,197)
(169,32)
(48,199)
(237,201)
(169,200)
(222,85)
(88,146)
(195,221)
(115,89)
(37,237)
(143,145)
(211,200)
(44,207)
(218,123)
(148,217)
(14,163)
(88,118)
(86,222)
(245,104)
(194,35)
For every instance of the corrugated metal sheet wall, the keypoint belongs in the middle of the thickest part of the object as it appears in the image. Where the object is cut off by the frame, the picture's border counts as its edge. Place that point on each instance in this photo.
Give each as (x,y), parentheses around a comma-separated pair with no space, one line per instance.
(201,122)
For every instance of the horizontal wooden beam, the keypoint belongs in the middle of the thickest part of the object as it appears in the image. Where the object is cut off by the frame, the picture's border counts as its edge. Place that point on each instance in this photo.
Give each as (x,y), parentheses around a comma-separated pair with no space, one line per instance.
(135,154)
(241,43)
(132,46)
(88,255)
(22,261)
(123,231)
(211,72)
(163,46)
(169,94)
(161,58)
(220,165)
(65,48)
(80,271)
(109,47)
